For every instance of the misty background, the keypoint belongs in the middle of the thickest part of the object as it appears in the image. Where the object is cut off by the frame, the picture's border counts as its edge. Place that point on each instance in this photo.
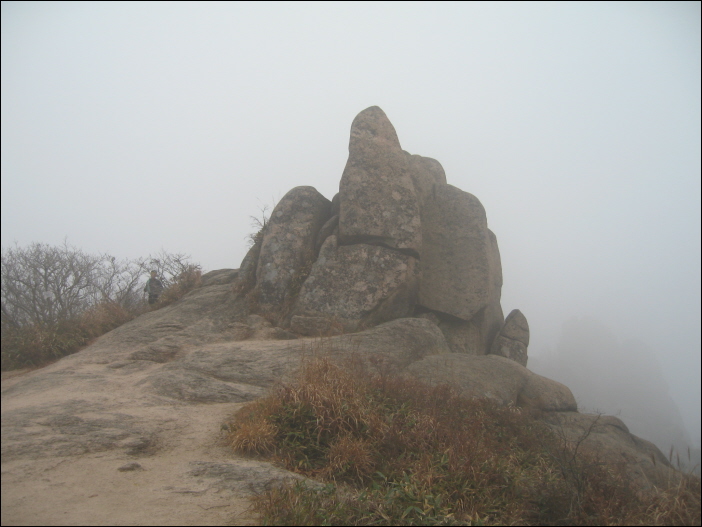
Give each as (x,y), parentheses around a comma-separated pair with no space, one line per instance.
(129,128)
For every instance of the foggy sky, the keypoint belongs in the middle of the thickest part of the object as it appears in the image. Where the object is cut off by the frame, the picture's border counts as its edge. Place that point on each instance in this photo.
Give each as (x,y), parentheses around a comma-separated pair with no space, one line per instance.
(128,128)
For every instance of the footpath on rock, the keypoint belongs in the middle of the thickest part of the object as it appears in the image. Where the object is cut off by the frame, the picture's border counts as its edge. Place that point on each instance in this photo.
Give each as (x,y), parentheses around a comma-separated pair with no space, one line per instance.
(398,269)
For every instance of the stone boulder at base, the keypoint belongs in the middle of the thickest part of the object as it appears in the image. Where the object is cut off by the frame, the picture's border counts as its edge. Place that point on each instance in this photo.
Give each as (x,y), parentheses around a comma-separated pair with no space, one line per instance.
(356,286)
(378,203)
(289,242)
(513,339)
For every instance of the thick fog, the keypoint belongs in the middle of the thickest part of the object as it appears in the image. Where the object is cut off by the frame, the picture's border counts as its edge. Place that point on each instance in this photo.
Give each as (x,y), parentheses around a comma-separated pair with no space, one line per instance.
(132,127)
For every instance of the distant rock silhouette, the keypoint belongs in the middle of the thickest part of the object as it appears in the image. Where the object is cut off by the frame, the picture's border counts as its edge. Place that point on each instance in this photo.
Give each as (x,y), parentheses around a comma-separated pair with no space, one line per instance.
(618,377)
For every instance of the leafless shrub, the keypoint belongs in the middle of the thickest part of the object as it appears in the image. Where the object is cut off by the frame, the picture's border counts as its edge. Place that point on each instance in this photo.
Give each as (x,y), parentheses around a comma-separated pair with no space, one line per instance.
(55,299)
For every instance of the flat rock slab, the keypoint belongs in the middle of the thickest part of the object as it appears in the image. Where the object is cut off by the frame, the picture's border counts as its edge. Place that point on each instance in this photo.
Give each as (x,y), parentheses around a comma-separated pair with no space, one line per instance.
(496,378)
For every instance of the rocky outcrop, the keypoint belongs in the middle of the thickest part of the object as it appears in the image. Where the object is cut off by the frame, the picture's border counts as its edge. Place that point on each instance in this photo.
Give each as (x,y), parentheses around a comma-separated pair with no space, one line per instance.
(607,439)
(400,263)
(395,240)
(156,391)
(425,173)
(513,339)
(288,244)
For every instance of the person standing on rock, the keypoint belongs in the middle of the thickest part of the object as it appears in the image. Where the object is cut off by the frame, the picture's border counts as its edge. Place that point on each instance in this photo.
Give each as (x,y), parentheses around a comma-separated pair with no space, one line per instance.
(154,288)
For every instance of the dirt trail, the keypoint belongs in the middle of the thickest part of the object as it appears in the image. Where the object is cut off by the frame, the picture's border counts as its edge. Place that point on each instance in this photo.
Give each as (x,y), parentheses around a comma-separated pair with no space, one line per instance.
(90,489)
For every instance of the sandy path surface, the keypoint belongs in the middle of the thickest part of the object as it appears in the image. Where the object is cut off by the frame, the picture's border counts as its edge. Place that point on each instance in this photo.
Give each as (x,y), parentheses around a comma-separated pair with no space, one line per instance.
(164,489)
(186,476)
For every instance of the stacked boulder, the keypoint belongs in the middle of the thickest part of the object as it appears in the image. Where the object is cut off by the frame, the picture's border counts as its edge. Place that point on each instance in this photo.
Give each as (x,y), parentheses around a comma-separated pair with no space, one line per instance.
(396,241)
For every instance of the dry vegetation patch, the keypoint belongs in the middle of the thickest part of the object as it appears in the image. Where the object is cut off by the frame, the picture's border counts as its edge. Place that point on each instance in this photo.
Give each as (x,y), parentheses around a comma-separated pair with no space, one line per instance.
(392,450)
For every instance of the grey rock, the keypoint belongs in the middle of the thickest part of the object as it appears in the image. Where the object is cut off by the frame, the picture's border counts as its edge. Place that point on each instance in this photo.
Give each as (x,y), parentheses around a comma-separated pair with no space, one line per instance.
(608,439)
(510,349)
(516,327)
(378,203)
(329,228)
(336,205)
(219,277)
(462,336)
(492,318)
(246,277)
(425,173)
(513,339)
(495,378)
(457,252)
(476,336)
(288,242)
(359,285)
(247,476)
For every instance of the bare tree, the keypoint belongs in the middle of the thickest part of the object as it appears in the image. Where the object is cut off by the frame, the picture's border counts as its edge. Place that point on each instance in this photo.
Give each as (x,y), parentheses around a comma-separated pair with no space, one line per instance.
(43,284)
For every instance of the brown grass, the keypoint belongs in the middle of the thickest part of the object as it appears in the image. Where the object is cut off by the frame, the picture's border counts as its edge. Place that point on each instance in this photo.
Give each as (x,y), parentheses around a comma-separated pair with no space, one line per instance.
(395,451)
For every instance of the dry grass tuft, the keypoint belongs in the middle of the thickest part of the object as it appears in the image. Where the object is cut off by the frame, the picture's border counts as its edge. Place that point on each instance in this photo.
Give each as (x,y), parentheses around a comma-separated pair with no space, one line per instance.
(397,452)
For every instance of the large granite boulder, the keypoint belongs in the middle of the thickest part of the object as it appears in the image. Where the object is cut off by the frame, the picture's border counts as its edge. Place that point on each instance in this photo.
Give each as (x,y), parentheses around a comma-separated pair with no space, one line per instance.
(475,336)
(378,203)
(357,286)
(288,244)
(513,339)
(456,254)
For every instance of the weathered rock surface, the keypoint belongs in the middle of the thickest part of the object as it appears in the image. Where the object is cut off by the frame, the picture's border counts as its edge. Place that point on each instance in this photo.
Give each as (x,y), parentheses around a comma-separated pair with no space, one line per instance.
(608,439)
(513,339)
(456,254)
(219,277)
(329,228)
(378,203)
(495,378)
(358,285)
(425,173)
(289,242)
(516,327)
(156,391)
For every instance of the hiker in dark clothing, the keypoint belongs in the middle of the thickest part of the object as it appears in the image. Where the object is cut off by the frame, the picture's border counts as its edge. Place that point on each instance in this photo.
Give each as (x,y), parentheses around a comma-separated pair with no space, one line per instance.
(154,288)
